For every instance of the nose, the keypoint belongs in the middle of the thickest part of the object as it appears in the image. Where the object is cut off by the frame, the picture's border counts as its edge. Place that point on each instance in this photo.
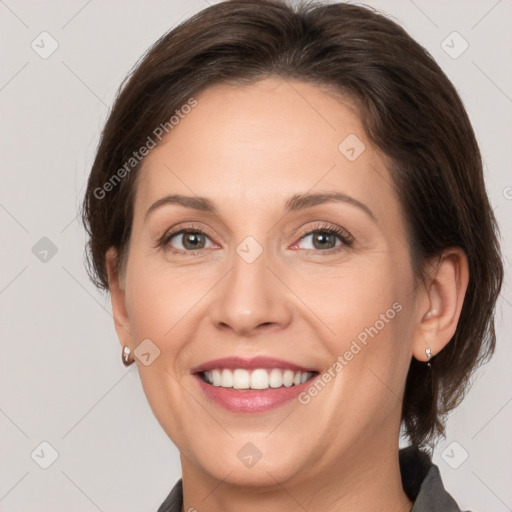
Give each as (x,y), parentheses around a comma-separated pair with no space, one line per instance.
(251,298)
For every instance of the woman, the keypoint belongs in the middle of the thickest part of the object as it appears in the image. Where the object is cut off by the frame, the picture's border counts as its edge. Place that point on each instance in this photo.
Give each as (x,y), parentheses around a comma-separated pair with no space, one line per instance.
(287,207)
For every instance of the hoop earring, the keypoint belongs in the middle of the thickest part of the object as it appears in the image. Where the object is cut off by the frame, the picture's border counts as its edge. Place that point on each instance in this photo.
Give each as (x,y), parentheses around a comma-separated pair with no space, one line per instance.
(125,357)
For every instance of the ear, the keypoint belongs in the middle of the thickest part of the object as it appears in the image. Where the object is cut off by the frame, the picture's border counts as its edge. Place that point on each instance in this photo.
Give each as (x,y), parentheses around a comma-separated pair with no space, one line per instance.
(117,295)
(440,308)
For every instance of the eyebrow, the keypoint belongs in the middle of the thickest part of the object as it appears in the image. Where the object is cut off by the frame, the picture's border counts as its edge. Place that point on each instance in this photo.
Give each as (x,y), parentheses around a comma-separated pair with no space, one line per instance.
(294,203)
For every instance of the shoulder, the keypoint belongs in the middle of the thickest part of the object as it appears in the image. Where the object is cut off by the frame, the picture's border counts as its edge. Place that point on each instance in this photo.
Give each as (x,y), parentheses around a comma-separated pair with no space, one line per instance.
(174,501)
(422,482)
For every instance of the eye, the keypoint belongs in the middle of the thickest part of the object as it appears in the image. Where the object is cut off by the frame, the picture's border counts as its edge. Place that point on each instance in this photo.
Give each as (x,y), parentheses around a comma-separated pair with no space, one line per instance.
(326,239)
(185,240)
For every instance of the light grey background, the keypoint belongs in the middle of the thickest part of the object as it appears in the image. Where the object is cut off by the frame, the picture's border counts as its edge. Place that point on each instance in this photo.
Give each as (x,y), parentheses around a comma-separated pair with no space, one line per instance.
(61,377)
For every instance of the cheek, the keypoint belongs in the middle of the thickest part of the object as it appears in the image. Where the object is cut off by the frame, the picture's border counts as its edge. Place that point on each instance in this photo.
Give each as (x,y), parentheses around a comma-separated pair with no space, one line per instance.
(156,307)
(157,299)
(157,304)
(368,312)
(360,300)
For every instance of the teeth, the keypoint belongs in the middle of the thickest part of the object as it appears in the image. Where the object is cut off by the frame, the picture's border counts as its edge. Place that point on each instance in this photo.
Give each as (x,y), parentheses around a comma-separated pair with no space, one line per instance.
(216,378)
(259,379)
(227,379)
(288,378)
(241,379)
(276,378)
(255,379)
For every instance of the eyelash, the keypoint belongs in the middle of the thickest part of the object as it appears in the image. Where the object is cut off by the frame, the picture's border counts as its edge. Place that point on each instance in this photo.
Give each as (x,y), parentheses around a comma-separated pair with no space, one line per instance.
(343,235)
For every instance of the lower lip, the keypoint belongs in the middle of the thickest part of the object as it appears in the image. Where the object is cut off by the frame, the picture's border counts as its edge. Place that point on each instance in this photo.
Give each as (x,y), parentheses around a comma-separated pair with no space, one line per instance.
(251,400)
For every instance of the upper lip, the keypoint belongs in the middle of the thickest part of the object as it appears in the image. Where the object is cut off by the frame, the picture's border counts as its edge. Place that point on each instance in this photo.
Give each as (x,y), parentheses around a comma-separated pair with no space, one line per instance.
(249,364)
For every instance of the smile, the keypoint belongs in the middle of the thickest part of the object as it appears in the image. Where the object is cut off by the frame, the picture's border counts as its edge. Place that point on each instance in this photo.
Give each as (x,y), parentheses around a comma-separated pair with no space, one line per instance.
(259,378)
(252,385)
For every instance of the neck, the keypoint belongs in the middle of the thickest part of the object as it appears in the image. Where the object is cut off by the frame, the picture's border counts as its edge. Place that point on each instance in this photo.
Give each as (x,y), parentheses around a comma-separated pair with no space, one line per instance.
(364,480)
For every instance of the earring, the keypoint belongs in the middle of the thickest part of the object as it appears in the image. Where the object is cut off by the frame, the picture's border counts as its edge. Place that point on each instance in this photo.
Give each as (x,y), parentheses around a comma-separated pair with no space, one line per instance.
(125,356)
(428,352)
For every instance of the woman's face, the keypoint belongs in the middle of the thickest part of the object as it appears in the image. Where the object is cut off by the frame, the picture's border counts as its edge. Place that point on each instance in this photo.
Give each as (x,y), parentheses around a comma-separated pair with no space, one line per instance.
(259,275)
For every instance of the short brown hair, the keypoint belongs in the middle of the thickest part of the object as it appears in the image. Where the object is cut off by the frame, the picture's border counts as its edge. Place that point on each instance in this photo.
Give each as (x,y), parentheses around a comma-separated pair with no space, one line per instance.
(410,111)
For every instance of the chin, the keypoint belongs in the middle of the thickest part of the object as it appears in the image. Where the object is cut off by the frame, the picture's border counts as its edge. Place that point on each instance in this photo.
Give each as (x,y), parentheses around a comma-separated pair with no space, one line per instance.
(258,462)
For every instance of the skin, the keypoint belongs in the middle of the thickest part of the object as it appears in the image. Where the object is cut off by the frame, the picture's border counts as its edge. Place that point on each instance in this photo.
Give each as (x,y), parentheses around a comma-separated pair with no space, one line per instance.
(248,149)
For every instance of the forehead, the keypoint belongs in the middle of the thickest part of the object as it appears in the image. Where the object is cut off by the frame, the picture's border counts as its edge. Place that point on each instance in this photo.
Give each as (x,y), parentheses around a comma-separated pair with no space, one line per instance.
(255,145)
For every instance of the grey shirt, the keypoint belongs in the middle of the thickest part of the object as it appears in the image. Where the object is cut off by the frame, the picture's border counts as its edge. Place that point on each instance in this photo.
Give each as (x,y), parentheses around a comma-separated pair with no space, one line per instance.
(420,479)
